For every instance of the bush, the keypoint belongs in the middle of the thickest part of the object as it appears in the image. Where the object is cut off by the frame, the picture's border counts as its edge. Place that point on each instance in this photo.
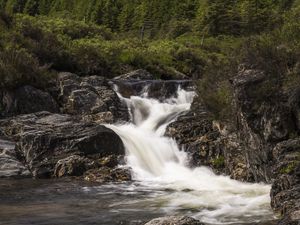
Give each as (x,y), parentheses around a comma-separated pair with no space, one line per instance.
(18,67)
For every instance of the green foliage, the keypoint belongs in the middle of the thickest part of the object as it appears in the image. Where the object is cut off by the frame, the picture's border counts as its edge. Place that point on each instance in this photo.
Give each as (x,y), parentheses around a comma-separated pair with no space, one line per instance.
(218,162)
(205,40)
(288,169)
(18,67)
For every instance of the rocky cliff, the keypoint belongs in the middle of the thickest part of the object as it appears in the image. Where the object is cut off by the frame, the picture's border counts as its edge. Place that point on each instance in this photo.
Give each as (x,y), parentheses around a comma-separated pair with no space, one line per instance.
(261,142)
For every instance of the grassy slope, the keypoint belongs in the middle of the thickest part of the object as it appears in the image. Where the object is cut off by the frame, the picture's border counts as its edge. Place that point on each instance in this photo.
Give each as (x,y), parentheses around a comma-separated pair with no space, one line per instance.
(205,46)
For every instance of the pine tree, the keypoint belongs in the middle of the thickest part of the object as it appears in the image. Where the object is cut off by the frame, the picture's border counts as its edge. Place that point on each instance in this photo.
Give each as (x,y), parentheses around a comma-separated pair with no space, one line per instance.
(31,7)
(222,17)
(15,6)
(45,6)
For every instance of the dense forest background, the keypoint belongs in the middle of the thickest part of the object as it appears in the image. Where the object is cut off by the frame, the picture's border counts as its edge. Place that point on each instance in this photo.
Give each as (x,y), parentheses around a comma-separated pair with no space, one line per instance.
(207,40)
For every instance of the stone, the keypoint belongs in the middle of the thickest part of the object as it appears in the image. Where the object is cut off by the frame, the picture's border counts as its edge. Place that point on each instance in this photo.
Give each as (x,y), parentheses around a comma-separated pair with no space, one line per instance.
(174,220)
(91,97)
(26,99)
(157,89)
(10,165)
(136,75)
(106,174)
(44,138)
(285,193)
(72,166)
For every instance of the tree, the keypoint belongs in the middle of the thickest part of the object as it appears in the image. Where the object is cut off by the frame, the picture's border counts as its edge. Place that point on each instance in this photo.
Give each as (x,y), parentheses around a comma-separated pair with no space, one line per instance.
(222,17)
(31,7)
(15,6)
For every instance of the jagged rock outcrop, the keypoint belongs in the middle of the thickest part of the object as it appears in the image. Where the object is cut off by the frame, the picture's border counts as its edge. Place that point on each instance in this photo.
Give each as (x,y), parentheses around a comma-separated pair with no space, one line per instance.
(208,142)
(91,97)
(44,139)
(262,122)
(269,131)
(285,192)
(194,132)
(260,144)
(174,220)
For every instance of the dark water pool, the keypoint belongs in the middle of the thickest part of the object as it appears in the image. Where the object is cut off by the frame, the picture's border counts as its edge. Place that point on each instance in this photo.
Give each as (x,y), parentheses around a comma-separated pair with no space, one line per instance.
(73,202)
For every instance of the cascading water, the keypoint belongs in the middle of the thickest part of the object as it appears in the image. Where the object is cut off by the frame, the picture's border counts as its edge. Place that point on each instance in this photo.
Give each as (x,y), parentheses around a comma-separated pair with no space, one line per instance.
(158,163)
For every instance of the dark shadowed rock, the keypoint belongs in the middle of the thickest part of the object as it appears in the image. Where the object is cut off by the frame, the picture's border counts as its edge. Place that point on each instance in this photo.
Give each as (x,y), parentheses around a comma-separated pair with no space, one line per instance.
(10,165)
(157,89)
(174,220)
(136,75)
(285,193)
(262,122)
(44,139)
(26,99)
(260,144)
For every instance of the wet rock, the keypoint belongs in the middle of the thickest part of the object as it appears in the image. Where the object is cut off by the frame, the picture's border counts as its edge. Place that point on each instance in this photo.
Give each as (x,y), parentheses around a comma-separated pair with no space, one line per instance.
(174,220)
(10,165)
(262,122)
(285,193)
(195,134)
(26,99)
(106,174)
(136,75)
(72,166)
(44,138)
(91,97)
(157,89)
(111,161)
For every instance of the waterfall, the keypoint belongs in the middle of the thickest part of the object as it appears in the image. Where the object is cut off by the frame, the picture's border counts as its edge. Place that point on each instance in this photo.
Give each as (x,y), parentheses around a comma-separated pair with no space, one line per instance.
(158,162)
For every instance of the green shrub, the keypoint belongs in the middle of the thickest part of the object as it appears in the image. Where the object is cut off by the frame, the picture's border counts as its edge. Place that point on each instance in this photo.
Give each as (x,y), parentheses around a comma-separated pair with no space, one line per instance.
(90,58)
(18,67)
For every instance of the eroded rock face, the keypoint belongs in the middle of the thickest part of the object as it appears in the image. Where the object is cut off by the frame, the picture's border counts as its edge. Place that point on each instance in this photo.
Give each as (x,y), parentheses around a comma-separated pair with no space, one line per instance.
(209,143)
(174,220)
(10,164)
(194,132)
(260,144)
(44,139)
(285,192)
(262,122)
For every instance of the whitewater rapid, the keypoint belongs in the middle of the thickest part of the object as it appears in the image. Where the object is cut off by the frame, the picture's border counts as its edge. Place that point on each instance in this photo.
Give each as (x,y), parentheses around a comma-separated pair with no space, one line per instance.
(158,163)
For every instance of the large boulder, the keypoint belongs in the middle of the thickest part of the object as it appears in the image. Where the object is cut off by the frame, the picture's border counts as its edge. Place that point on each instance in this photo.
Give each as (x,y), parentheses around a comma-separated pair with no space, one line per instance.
(44,138)
(174,220)
(26,99)
(91,97)
(10,165)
